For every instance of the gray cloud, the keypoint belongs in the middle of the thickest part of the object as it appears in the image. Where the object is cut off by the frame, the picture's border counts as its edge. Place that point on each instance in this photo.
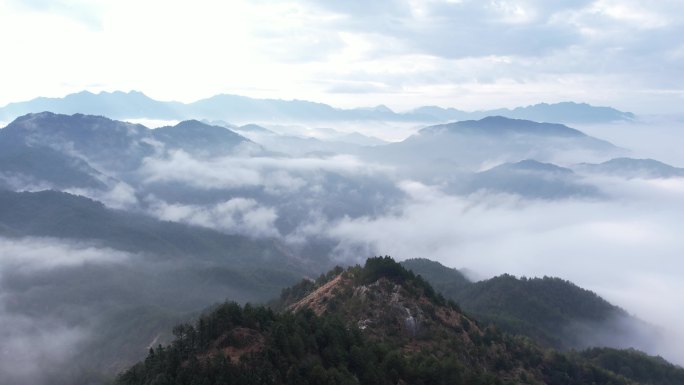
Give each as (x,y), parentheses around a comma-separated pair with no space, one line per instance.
(33,350)
(33,254)
(36,346)
(627,250)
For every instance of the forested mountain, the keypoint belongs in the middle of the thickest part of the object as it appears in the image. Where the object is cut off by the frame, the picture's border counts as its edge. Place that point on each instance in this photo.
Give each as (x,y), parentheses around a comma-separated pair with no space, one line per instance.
(377,324)
(636,365)
(111,232)
(552,311)
(118,280)
(111,145)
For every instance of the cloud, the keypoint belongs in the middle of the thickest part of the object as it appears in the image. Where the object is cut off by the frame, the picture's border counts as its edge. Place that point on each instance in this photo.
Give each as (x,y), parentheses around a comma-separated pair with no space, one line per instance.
(275,174)
(35,254)
(618,248)
(33,350)
(237,215)
(402,52)
(119,196)
(38,346)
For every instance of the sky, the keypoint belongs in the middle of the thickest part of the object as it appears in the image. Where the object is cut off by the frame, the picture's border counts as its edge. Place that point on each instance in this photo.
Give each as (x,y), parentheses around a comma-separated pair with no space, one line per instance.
(402,53)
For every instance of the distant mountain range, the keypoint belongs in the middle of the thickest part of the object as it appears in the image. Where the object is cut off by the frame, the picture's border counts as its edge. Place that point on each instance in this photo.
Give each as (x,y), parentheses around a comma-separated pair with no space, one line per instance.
(633,168)
(242,109)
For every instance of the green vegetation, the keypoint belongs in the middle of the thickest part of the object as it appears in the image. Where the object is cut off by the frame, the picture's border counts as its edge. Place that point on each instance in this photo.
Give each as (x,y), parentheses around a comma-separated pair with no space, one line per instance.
(322,342)
(636,366)
(552,311)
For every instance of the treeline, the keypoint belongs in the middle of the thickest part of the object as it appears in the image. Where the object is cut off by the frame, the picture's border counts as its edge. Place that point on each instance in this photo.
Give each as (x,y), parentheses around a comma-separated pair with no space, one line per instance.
(255,345)
(297,348)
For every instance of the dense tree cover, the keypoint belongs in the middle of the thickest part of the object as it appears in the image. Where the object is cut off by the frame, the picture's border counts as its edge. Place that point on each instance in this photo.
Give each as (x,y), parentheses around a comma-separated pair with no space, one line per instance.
(444,279)
(256,345)
(636,365)
(298,348)
(386,267)
(546,309)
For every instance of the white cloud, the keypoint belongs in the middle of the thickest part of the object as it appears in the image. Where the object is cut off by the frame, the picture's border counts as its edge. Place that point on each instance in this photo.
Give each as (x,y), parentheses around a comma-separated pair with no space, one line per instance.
(119,196)
(274,174)
(411,51)
(33,348)
(600,245)
(32,254)
(237,215)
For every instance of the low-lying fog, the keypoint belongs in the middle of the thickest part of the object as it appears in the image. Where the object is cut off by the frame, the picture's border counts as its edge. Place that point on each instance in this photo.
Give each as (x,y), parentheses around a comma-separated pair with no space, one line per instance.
(622,239)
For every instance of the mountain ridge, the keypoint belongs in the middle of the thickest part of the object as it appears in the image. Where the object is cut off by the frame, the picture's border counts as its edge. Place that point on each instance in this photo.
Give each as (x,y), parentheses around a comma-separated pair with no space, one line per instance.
(243,109)
(376,324)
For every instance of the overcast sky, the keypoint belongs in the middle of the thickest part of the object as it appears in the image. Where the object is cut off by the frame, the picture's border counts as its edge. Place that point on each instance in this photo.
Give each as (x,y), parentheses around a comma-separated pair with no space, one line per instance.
(403,53)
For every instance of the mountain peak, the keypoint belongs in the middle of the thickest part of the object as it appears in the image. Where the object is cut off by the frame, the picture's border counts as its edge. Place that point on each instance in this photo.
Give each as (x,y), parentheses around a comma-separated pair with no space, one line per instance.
(534,166)
(500,125)
(374,324)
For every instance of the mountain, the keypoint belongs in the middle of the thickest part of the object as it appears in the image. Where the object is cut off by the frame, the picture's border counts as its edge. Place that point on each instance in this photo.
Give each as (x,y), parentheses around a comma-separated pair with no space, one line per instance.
(636,365)
(85,143)
(633,168)
(332,142)
(444,279)
(62,215)
(24,167)
(100,140)
(553,312)
(468,145)
(527,178)
(235,108)
(128,105)
(201,139)
(565,112)
(140,277)
(377,324)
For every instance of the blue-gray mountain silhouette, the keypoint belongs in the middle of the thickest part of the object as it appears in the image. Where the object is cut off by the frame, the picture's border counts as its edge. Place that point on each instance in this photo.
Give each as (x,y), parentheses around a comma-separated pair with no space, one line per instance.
(239,109)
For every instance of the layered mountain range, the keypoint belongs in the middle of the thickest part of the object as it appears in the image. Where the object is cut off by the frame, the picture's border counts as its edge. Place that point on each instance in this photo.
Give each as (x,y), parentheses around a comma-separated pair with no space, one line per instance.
(115,232)
(134,104)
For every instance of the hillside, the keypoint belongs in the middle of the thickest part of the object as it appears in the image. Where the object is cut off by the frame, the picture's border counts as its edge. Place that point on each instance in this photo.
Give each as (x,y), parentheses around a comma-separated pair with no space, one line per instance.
(377,324)
(468,145)
(551,311)
(139,276)
(633,168)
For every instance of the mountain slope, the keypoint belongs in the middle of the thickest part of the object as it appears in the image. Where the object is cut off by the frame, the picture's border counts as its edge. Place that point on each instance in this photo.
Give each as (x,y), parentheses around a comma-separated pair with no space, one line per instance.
(527,178)
(24,167)
(84,143)
(636,365)
(139,277)
(200,139)
(468,145)
(56,214)
(373,325)
(633,168)
(102,141)
(553,312)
